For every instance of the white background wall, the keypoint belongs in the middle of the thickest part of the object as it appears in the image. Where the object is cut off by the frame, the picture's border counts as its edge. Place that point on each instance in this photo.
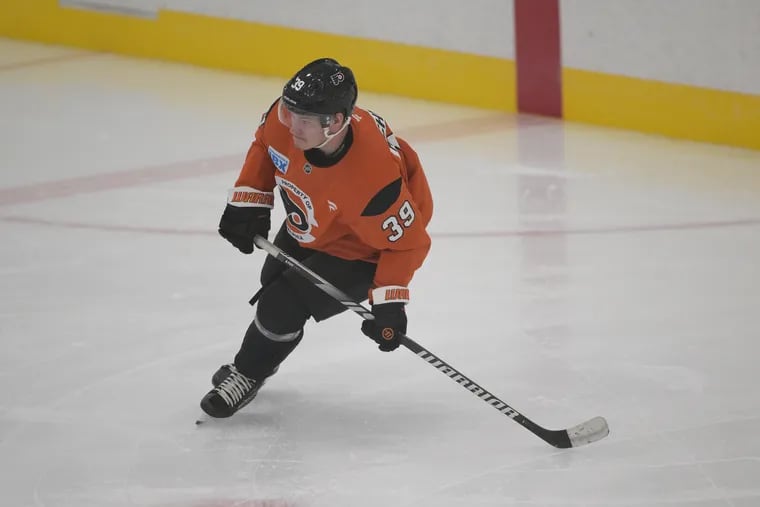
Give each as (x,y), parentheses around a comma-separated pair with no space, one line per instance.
(708,43)
(482,27)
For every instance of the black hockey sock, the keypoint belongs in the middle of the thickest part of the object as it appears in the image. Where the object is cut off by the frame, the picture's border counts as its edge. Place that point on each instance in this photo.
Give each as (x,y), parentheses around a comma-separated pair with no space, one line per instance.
(260,355)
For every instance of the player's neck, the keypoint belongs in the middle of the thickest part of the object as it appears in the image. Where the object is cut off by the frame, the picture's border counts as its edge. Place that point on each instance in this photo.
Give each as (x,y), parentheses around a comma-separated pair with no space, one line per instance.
(335,144)
(320,158)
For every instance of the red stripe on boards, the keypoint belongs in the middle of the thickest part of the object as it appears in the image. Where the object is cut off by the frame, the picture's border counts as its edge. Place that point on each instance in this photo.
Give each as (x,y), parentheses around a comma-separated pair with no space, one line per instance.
(538,57)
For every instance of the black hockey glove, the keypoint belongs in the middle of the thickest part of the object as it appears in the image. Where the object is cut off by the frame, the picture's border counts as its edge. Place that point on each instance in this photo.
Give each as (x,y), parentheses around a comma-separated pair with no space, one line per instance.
(240,224)
(388,326)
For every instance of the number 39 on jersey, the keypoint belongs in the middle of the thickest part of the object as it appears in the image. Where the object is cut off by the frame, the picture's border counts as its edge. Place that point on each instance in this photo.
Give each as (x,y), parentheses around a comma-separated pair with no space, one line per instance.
(395,224)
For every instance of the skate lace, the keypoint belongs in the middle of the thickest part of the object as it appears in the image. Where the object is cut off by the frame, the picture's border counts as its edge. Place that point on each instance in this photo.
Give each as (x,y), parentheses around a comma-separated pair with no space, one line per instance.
(234,388)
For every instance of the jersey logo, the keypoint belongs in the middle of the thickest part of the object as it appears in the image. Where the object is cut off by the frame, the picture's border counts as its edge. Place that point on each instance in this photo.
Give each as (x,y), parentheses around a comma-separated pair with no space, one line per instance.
(299,209)
(279,160)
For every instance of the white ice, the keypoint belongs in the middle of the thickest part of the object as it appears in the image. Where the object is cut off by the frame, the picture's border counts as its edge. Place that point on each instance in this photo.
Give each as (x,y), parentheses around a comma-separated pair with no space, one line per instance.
(575,271)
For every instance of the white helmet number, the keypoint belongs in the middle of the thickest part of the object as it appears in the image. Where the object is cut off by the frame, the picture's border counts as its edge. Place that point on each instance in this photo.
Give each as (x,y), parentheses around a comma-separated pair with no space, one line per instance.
(298,84)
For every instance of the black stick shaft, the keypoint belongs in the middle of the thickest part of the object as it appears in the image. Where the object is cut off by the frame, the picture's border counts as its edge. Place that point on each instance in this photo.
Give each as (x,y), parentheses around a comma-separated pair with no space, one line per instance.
(557,438)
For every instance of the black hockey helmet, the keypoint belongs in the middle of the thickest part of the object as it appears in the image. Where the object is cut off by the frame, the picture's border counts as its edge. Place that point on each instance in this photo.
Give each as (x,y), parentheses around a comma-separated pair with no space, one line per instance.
(322,87)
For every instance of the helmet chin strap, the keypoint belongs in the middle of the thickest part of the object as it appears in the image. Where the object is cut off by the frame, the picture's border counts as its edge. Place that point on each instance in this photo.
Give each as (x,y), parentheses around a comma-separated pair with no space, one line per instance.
(329,137)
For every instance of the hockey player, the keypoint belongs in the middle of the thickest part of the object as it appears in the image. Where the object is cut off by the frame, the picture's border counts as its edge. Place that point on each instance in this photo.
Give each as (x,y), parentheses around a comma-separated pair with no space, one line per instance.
(357,204)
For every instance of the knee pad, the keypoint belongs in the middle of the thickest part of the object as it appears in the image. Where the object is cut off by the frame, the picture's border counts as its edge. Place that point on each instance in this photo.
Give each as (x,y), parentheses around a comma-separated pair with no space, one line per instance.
(262,351)
(276,337)
(280,313)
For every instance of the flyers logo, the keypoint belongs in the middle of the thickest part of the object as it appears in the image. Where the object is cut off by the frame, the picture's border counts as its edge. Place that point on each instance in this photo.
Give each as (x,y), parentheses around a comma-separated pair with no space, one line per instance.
(299,209)
(337,78)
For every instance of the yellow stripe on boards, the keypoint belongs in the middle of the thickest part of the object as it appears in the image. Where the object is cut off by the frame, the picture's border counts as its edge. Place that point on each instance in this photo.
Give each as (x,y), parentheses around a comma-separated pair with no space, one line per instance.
(674,110)
(380,66)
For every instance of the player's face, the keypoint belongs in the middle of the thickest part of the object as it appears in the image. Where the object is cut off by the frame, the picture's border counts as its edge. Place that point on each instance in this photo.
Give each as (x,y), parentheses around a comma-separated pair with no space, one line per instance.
(307,132)
(306,129)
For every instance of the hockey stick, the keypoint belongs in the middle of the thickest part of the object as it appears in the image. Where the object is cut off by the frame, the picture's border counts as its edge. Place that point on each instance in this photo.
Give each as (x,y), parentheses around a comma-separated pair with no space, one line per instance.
(584,433)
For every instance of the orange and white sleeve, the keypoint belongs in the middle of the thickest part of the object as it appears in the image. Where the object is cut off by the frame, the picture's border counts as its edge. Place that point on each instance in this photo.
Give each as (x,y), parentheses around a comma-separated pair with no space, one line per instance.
(393,223)
(255,184)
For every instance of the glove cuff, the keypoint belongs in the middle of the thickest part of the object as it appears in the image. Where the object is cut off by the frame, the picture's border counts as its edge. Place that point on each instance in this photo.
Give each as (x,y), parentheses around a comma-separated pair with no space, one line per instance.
(249,197)
(389,294)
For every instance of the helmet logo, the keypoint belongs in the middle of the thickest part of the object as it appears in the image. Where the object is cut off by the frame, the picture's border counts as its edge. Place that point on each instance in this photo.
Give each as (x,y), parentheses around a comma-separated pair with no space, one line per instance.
(337,78)
(298,84)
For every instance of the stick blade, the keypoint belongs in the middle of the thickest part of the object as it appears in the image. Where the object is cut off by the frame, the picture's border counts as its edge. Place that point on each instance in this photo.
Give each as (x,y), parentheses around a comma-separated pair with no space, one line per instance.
(588,432)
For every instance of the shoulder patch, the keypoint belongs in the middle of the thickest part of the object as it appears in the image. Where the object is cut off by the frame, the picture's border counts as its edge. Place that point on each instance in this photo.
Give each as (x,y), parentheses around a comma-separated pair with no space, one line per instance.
(383,199)
(280,161)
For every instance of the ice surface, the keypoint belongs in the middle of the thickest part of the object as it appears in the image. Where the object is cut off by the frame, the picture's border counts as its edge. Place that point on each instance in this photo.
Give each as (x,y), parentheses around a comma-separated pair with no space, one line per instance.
(575,272)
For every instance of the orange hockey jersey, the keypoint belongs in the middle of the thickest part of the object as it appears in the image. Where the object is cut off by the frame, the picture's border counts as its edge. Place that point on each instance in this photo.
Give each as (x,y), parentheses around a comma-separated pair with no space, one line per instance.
(374,204)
